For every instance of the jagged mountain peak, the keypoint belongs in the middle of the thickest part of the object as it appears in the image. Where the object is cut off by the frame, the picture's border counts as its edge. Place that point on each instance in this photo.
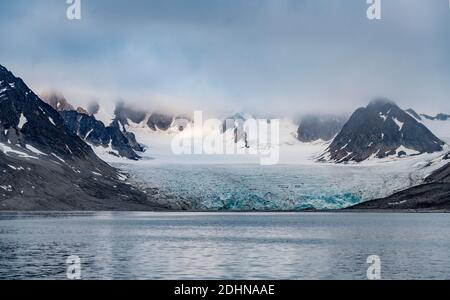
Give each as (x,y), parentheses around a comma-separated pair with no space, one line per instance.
(438,117)
(319,127)
(124,113)
(57,101)
(159,121)
(26,119)
(113,139)
(44,166)
(379,130)
(5,74)
(414,114)
(381,103)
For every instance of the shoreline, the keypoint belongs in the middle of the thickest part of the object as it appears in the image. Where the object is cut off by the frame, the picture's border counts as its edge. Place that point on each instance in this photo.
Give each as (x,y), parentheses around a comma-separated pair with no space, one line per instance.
(344,210)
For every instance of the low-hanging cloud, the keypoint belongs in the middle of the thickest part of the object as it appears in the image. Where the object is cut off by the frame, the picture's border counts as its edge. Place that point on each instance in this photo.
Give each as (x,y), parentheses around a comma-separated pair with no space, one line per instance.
(281,56)
(93,107)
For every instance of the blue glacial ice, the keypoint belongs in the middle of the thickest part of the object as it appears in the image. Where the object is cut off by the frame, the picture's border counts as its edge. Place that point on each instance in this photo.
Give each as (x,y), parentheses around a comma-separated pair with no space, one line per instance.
(282,187)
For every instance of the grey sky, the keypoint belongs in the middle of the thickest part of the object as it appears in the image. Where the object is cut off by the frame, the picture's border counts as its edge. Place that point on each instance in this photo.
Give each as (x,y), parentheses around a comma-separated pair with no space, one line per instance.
(286,56)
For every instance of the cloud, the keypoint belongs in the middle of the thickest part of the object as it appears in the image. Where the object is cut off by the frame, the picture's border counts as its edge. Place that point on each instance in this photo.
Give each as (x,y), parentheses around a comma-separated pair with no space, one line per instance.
(282,56)
(93,108)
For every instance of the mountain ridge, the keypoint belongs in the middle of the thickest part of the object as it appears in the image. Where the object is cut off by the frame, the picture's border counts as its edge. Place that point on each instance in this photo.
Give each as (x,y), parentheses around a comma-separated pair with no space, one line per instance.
(432,194)
(45,167)
(379,130)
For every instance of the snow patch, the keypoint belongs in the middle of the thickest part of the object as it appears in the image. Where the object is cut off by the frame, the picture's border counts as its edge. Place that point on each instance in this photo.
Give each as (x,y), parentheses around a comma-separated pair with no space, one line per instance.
(89,133)
(51,120)
(397,203)
(22,121)
(7,150)
(7,188)
(34,150)
(399,124)
(59,158)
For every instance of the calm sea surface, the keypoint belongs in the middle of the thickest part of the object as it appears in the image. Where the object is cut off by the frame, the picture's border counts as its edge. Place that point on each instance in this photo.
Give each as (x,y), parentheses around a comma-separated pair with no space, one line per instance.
(224,245)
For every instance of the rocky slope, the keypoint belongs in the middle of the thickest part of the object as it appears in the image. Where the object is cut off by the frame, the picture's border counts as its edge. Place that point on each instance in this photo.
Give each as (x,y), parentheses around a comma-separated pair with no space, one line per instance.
(43,166)
(57,101)
(380,130)
(438,117)
(130,117)
(438,124)
(433,194)
(157,121)
(313,128)
(113,137)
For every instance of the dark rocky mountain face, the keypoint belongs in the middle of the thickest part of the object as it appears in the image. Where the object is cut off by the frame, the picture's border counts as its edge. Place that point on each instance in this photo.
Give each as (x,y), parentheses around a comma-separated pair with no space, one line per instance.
(25,119)
(97,134)
(313,128)
(44,166)
(181,122)
(157,121)
(123,113)
(438,117)
(84,124)
(413,113)
(434,194)
(380,130)
(131,142)
(57,101)
(441,175)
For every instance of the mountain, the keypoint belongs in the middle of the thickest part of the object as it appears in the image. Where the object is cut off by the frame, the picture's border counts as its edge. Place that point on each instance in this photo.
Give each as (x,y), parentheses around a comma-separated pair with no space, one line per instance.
(235,124)
(433,194)
(314,127)
(57,101)
(130,141)
(126,114)
(157,121)
(438,117)
(44,166)
(115,138)
(131,117)
(414,114)
(380,130)
(420,117)
(439,124)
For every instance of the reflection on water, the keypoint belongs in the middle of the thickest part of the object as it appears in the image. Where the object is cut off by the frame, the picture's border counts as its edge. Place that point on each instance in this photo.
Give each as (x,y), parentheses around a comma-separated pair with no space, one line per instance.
(224,246)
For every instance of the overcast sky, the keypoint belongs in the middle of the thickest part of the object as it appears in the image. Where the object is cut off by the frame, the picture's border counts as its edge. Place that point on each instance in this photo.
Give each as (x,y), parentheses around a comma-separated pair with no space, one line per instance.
(265,56)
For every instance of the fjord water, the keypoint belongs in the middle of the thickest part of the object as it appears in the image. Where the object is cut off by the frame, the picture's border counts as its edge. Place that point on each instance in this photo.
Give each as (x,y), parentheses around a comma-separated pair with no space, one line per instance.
(224,245)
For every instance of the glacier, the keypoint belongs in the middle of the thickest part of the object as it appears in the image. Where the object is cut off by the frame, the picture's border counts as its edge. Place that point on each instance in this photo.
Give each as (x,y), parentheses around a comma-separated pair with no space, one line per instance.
(298,182)
(281,187)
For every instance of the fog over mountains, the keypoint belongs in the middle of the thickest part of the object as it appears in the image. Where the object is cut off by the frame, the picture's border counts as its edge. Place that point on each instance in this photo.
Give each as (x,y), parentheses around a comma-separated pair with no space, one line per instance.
(380,130)
(48,150)
(45,166)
